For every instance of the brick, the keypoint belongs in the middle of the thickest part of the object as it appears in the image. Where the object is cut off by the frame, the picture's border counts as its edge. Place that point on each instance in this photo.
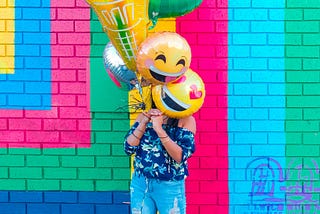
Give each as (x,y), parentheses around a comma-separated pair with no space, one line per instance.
(96,173)
(4,196)
(121,174)
(302,51)
(202,198)
(212,14)
(239,4)
(119,125)
(59,4)
(72,88)
(117,150)
(20,172)
(43,208)
(73,63)
(57,124)
(101,125)
(73,14)
(69,112)
(202,27)
(61,197)
(204,126)
(269,101)
(76,185)
(311,64)
(100,209)
(267,125)
(311,114)
(81,27)
(4,173)
(302,126)
(59,151)
(77,208)
(249,39)
(111,185)
(250,64)
(60,173)
(12,160)
(302,27)
(42,160)
(311,89)
(42,136)
(74,38)
(95,197)
(302,4)
(12,208)
(81,161)
(202,175)
(267,26)
(23,124)
(112,161)
(10,87)
(311,138)
(302,150)
(121,196)
(250,138)
(302,77)
(192,186)
(28,197)
(303,101)
(49,185)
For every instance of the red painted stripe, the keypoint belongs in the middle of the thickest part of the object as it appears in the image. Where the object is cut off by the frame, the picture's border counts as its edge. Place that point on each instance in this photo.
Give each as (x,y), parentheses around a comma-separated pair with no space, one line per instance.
(206,30)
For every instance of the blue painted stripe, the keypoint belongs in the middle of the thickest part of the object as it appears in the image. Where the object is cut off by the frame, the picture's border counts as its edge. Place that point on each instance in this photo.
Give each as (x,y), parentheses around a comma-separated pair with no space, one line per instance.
(29,87)
(256,103)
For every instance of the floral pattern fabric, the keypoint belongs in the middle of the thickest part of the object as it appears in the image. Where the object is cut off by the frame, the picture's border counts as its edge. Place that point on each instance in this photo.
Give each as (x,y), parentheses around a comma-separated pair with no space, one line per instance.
(153,161)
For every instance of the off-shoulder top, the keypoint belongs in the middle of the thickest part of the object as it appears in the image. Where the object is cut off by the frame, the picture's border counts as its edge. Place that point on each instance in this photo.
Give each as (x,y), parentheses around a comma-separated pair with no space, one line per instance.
(153,161)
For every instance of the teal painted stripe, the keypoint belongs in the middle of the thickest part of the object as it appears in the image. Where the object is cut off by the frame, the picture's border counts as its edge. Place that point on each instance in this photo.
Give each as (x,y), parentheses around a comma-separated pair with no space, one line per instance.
(256,104)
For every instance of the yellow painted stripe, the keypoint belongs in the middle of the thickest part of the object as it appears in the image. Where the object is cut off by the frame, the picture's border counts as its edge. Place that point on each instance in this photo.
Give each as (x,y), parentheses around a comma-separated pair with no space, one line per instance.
(162,25)
(7,16)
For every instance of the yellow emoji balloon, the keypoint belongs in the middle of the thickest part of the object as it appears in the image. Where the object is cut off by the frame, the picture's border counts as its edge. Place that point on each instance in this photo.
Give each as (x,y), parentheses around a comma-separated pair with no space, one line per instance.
(182,97)
(163,57)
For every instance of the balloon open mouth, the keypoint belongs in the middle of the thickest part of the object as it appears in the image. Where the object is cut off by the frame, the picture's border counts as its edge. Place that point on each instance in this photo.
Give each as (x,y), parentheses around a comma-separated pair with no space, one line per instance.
(171,102)
(164,76)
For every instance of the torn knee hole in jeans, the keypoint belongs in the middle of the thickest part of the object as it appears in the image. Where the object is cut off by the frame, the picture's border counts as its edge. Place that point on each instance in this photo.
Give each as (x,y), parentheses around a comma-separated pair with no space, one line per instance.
(175,209)
(136,211)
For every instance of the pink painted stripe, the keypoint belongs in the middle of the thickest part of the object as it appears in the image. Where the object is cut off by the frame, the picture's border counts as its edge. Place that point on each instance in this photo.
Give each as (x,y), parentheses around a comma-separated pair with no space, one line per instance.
(206,31)
(67,124)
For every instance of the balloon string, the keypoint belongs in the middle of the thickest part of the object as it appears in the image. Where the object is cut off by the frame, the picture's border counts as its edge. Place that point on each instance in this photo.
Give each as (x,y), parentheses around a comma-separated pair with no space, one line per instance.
(139,88)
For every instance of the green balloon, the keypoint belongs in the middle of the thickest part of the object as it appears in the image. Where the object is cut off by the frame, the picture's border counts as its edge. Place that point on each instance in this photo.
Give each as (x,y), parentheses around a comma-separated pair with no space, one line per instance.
(170,8)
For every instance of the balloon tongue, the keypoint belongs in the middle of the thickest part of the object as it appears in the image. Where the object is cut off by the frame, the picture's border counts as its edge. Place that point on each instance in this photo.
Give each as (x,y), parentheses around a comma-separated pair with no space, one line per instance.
(169,79)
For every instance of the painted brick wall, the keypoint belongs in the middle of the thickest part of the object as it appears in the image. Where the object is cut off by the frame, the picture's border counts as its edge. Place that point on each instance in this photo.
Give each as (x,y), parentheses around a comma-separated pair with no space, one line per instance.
(258,131)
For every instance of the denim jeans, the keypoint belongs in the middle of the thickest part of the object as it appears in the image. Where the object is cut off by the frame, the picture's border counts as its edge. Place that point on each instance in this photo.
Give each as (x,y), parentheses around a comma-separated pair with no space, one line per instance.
(150,195)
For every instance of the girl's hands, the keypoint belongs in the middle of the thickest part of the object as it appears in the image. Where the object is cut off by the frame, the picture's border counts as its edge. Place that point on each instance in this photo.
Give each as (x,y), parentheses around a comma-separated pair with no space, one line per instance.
(156,119)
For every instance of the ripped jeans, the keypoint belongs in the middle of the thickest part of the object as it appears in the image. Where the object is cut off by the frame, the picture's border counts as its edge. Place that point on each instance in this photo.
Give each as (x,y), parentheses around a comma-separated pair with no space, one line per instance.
(150,195)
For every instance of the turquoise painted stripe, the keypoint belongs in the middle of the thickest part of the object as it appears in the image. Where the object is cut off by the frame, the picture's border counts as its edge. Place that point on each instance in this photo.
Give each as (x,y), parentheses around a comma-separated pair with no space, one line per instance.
(256,103)
(30,85)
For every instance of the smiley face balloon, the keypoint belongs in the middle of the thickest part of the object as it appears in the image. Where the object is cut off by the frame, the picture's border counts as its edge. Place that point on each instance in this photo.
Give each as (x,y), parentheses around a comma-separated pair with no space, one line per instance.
(163,57)
(180,98)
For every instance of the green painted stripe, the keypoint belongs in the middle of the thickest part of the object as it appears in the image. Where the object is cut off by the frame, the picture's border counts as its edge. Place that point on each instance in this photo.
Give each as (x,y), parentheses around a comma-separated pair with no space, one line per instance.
(302,65)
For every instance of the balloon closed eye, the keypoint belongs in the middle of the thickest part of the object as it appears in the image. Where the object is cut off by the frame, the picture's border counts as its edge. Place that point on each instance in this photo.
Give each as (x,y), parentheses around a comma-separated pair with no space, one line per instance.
(161,57)
(181,62)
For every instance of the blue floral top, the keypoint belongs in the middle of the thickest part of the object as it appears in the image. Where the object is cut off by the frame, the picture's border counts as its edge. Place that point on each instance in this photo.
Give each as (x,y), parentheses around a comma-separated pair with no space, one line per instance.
(151,158)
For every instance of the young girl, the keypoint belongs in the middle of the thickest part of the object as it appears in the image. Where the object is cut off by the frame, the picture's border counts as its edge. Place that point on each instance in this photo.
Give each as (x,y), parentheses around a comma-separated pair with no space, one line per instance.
(161,146)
